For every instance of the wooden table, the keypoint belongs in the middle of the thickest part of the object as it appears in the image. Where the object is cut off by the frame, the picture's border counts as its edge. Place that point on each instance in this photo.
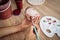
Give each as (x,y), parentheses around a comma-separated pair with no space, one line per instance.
(50,7)
(13,20)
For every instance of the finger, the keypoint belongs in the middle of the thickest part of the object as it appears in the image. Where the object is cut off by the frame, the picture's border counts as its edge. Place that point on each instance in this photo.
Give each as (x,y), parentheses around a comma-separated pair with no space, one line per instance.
(39,17)
(26,14)
(28,17)
(33,19)
(36,19)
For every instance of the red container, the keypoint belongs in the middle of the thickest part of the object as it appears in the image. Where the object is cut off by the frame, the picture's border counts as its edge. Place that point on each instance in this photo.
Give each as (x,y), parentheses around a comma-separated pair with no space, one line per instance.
(5,10)
(19,4)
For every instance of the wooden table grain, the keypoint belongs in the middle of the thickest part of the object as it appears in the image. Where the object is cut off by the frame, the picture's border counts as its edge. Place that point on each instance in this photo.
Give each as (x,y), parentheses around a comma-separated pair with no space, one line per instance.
(13,20)
(49,8)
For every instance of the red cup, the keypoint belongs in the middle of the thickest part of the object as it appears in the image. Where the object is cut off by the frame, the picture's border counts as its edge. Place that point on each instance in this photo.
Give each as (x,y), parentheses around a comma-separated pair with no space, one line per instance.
(5,10)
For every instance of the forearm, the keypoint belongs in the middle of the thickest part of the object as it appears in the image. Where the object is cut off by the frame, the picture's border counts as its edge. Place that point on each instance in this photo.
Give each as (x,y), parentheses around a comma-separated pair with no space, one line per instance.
(9,30)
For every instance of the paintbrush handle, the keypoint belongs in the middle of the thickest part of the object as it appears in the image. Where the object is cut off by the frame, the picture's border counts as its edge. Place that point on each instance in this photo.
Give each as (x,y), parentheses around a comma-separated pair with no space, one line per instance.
(37,35)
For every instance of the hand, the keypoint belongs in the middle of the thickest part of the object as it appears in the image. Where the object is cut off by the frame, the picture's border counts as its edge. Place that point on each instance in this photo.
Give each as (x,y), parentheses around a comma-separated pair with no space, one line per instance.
(28,17)
(27,22)
(36,21)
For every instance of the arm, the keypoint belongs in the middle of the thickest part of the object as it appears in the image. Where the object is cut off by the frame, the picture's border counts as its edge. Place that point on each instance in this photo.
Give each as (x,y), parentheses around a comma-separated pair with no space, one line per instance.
(9,30)
(13,29)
